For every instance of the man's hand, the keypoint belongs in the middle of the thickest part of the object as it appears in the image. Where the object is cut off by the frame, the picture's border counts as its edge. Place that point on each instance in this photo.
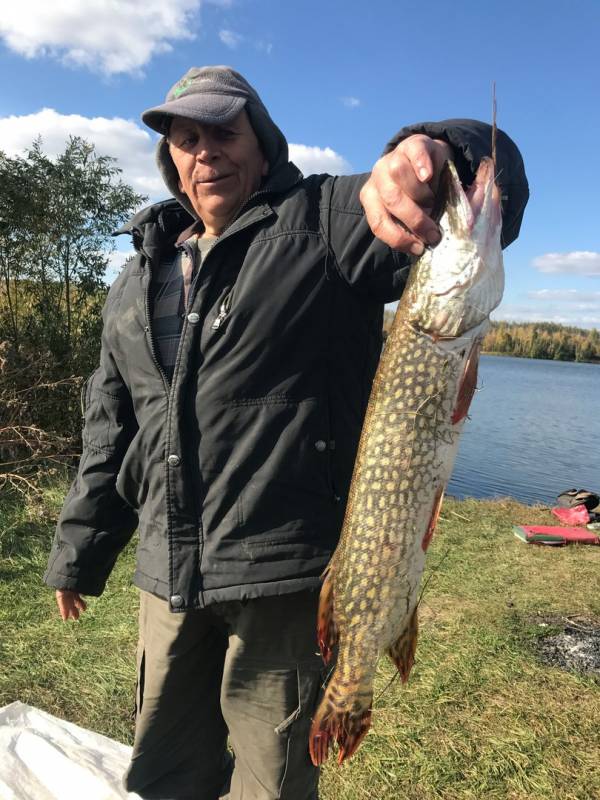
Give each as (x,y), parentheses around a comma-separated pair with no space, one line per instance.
(70,604)
(398,197)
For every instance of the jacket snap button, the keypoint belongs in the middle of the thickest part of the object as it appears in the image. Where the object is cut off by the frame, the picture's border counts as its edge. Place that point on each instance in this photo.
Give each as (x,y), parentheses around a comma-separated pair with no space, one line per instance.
(193,318)
(176,601)
(320,445)
(173,460)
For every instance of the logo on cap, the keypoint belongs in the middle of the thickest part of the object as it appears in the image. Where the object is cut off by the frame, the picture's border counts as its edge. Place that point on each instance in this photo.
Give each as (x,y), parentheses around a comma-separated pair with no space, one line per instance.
(181,87)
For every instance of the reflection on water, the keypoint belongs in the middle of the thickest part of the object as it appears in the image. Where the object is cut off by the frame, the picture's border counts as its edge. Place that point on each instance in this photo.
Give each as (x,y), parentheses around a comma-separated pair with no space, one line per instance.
(534,431)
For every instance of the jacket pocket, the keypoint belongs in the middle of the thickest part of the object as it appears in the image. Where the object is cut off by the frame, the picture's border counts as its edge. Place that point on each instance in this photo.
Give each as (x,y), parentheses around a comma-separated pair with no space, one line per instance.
(271,510)
(84,395)
(102,417)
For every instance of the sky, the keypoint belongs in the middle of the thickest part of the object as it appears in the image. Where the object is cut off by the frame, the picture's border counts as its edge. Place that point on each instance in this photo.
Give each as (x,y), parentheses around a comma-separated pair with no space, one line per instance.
(339,78)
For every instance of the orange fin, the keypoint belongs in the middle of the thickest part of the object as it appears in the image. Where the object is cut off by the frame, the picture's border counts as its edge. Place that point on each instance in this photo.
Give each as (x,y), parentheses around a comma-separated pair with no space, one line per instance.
(347,727)
(327,634)
(435,514)
(402,651)
(468,384)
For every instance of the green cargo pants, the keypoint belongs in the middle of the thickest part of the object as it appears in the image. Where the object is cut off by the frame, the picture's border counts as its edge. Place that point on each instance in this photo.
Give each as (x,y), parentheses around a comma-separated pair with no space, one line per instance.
(247,669)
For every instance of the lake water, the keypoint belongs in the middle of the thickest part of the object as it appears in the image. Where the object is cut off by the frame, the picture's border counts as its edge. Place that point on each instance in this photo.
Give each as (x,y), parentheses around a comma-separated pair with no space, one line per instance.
(534,431)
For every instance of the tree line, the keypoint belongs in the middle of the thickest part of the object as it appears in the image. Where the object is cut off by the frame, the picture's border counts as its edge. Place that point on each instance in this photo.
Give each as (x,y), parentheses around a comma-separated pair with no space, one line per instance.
(546,340)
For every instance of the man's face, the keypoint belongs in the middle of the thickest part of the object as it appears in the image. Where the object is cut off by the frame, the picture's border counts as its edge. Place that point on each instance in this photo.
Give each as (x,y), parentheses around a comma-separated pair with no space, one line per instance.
(219,166)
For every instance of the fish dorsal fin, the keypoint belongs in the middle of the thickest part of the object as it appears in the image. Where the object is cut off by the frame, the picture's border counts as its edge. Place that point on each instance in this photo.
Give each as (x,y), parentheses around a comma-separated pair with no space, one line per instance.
(452,208)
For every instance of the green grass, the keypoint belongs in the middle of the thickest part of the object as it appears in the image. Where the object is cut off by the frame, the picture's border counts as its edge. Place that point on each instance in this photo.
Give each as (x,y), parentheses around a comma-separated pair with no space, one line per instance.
(481,717)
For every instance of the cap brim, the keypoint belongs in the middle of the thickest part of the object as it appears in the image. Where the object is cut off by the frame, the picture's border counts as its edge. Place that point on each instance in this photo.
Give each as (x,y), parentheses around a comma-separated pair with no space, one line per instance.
(210,109)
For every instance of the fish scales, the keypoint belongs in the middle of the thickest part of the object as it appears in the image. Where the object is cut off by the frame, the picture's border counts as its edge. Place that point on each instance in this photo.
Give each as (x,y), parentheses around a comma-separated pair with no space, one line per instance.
(420,395)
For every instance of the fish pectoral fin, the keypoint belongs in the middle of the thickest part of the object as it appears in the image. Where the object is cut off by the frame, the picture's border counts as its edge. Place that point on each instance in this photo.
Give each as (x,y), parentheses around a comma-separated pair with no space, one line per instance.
(327,633)
(402,651)
(468,384)
(435,515)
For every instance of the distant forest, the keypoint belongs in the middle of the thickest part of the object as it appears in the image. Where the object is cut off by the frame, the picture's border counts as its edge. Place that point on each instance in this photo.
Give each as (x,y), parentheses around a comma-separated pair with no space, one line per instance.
(537,340)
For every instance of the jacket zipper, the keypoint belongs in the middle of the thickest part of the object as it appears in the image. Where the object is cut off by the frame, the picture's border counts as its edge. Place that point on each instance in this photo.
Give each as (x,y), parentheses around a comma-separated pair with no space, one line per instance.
(223,311)
(148,331)
(330,454)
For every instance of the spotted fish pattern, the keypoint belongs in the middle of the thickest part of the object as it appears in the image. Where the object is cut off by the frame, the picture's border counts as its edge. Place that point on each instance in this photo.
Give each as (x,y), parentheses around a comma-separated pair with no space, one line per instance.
(420,397)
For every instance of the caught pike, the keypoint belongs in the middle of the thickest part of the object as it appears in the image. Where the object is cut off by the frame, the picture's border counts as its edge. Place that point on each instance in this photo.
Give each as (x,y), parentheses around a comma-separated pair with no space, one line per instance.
(420,397)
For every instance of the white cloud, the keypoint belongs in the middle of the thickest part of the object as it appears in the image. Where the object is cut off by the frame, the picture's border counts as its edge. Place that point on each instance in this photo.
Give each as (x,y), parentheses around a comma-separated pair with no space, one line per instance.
(314,160)
(583,312)
(102,35)
(230,38)
(264,47)
(579,262)
(351,102)
(120,138)
(581,298)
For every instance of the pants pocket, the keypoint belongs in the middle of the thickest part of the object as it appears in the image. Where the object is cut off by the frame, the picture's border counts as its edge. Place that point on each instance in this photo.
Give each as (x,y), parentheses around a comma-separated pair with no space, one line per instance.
(139,687)
(308,682)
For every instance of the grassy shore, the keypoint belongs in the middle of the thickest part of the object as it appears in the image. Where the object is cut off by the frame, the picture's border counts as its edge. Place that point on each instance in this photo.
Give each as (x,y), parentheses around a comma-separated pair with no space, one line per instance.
(481,717)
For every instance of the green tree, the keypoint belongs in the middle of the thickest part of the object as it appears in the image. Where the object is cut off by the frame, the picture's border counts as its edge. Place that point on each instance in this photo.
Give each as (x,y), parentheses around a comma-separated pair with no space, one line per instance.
(56,253)
(56,220)
(565,349)
(17,222)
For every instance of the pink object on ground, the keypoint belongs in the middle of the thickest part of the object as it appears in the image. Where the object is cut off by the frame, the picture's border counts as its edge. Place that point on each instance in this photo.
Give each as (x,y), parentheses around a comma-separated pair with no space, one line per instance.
(578,515)
(555,534)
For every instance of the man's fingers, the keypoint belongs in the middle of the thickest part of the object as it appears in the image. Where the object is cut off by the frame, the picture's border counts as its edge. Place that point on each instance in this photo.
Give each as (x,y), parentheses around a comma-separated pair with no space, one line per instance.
(70,604)
(419,152)
(399,169)
(400,193)
(80,602)
(384,226)
(404,197)
(416,220)
(411,213)
(66,609)
(441,153)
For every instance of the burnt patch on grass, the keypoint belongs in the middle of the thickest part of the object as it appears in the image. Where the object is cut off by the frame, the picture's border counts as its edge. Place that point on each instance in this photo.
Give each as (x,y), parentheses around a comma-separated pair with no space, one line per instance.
(570,643)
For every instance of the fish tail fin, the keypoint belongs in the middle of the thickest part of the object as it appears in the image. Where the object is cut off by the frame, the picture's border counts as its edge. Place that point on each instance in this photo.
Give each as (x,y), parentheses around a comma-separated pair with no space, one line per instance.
(344,716)
(327,633)
(402,651)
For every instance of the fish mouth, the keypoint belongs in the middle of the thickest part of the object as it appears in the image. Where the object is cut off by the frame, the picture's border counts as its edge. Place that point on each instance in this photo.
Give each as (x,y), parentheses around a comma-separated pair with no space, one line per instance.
(484,196)
(455,287)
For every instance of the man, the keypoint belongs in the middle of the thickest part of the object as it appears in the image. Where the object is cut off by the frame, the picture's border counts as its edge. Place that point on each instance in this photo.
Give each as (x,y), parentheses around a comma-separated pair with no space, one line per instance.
(237,356)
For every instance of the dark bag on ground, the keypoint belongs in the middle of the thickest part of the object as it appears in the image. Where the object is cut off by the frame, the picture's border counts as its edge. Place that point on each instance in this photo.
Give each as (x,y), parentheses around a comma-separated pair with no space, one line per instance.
(578,497)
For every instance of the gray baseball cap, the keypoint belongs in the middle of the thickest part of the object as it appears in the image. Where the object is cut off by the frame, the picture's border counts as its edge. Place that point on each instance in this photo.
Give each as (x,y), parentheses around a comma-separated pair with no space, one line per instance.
(213,96)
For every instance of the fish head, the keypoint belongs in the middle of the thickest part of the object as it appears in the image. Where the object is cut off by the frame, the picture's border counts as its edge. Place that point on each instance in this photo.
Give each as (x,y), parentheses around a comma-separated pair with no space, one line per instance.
(456,285)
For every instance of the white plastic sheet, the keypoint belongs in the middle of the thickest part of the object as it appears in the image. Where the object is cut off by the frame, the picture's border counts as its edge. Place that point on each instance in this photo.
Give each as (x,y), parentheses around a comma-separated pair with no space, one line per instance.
(45,758)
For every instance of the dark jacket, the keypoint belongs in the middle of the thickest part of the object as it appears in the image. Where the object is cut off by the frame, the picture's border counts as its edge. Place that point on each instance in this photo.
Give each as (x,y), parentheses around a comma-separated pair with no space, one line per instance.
(239,470)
